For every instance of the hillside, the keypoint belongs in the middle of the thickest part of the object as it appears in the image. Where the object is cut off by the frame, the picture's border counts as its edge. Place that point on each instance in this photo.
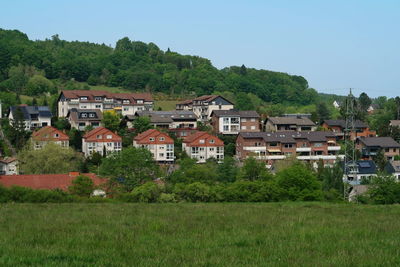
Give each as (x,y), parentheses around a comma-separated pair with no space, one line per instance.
(35,67)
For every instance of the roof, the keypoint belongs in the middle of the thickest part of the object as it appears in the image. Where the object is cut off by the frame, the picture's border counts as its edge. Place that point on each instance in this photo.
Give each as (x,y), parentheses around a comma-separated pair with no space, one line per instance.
(144,138)
(393,166)
(27,111)
(100,135)
(289,137)
(301,121)
(383,142)
(366,166)
(76,114)
(395,123)
(209,140)
(168,116)
(91,94)
(238,113)
(204,98)
(342,123)
(46,181)
(49,133)
(359,189)
(7,160)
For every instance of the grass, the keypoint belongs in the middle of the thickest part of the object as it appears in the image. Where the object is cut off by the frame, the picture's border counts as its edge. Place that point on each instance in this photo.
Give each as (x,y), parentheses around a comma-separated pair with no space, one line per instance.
(165,105)
(284,234)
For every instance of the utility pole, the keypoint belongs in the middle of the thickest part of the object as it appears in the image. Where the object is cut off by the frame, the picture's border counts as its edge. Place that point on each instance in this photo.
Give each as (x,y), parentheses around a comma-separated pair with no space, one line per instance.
(350,164)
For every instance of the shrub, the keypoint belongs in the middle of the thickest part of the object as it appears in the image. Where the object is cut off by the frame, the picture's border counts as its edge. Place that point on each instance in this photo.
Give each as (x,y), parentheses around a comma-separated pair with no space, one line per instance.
(252,191)
(148,192)
(384,189)
(195,192)
(167,198)
(81,186)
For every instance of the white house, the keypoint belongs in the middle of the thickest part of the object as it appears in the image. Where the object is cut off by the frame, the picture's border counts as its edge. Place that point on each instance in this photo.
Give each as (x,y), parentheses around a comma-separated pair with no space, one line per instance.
(33,116)
(158,143)
(203,146)
(8,166)
(100,140)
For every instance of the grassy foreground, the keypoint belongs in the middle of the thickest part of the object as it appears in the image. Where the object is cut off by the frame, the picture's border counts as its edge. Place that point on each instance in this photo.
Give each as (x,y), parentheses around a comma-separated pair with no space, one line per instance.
(284,234)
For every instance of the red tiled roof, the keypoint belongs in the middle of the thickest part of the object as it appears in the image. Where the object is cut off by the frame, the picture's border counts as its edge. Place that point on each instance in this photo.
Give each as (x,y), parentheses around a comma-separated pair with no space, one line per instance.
(100,135)
(144,138)
(194,140)
(46,181)
(49,133)
(200,98)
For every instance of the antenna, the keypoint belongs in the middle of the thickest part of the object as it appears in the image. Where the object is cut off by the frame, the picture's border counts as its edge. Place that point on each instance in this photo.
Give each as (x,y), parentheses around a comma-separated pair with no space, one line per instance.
(350,164)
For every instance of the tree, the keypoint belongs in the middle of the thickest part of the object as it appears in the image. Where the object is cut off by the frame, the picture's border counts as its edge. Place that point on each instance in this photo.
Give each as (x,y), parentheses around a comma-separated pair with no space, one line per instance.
(38,85)
(142,124)
(384,189)
(51,159)
(380,160)
(131,167)
(364,101)
(323,111)
(243,102)
(81,186)
(227,170)
(111,120)
(254,170)
(17,134)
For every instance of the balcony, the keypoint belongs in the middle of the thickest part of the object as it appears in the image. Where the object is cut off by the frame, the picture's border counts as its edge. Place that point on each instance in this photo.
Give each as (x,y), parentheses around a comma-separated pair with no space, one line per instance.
(333,148)
(271,157)
(303,149)
(318,157)
(255,148)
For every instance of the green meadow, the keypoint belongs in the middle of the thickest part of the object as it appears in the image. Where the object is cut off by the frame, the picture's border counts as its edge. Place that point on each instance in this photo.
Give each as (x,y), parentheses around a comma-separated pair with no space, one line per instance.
(227,234)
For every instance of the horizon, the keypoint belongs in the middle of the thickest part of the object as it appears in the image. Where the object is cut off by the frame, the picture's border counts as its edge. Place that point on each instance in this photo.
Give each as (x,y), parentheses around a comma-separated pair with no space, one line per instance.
(351,46)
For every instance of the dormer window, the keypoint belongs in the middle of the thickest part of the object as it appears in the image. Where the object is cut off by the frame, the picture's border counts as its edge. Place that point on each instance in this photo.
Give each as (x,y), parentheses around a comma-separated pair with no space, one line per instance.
(84,98)
(212,141)
(91,115)
(98,136)
(201,141)
(109,136)
(84,115)
(162,138)
(139,101)
(97,98)
(126,101)
(151,139)
(56,135)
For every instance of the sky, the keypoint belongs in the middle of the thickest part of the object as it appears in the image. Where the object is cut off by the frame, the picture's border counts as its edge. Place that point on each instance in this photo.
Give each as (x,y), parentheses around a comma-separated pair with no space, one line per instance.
(335,45)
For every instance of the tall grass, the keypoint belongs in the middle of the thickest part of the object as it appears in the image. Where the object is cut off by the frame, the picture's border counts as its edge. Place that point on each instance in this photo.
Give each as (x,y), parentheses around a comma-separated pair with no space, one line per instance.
(284,234)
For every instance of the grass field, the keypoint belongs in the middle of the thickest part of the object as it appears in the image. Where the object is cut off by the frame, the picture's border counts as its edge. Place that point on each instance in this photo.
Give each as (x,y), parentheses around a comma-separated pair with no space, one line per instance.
(165,105)
(283,234)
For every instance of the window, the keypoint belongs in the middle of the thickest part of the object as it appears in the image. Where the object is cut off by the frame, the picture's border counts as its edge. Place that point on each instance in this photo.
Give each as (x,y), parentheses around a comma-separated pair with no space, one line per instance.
(162,138)
(161,155)
(244,120)
(83,107)
(235,120)
(98,106)
(44,124)
(170,147)
(126,101)
(386,149)
(273,144)
(212,141)
(83,98)
(162,147)
(82,124)
(211,149)
(91,115)
(243,127)
(126,109)
(225,120)
(253,119)
(195,150)
(56,135)
(201,141)
(226,128)
(288,145)
(140,109)
(201,148)
(109,144)
(253,127)
(98,136)
(109,136)
(318,145)
(83,115)
(97,98)
(151,139)
(139,101)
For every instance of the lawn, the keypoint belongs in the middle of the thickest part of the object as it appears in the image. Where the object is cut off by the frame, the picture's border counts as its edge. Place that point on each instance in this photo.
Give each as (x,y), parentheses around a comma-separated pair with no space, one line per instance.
(165,105)
(284,234)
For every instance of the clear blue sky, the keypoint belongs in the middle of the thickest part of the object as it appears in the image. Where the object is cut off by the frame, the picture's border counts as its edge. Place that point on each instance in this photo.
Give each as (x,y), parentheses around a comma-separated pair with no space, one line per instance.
(334,44)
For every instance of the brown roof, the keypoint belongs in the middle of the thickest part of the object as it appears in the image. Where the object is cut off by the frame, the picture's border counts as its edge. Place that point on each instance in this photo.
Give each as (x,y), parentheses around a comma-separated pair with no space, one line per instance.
(383,142)
(206,98)
(91,94)
(342,123)
(100,135)
(7,160)
(144,138)
(290,137)
(46,181)
(238,113)
(210,140)
(302,121)
(49,133)
(395,123)
(75,115)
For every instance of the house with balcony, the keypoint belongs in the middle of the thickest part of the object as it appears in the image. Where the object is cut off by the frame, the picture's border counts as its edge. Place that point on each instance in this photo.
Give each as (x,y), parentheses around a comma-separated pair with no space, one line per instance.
(235,121)
(371,146)
(101,140)
(123,103)
(203,146)
(82,118)
(8,166)
(49,134)
(204,105)
(180,122)
(160,144)
(272,146)
(338,127)
(289,123)
(33,116)
(360,170)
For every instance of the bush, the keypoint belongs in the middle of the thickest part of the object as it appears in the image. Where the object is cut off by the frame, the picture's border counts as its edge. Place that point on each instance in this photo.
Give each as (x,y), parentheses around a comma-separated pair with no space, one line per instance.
(167,198)
(81,186)
(23,194)
(148,192)
(195,192)
(384,189)
(251,191)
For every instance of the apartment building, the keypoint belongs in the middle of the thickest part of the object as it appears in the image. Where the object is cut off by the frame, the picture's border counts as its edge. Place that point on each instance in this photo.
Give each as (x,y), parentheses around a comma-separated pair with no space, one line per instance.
(8,166)
(99,140)
(363,170)
(158,143)
(33,116)
(203,106)
(82,118)
(338,127)
(203,146)
(371,146)
(272,146)
(49,134)
(123,103)
(235,121)
(289,123)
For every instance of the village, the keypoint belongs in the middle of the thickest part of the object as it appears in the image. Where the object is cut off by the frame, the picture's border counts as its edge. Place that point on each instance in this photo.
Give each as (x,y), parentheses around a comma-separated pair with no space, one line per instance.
(201,125)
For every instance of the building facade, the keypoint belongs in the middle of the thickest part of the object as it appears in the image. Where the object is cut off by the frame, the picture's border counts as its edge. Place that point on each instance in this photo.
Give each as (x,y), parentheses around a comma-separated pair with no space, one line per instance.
(101,140)
(8,166)
(371,146)
(33,117)
(297,124)
(234,121)
(203,146)
(158,143)
(123,103)
(338,127)
(82,118)
(49,134)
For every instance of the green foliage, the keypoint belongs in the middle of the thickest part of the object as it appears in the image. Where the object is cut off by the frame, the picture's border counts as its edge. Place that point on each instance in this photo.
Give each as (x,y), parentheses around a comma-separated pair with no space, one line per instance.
(130,167)
(38,85)
(23,195)
(384,189)
(252,191)
(142,124)
(194,192)
(190,172)
(51,159)
(147,192)
(254,170)
(111,120)
(81,186)
(227,171)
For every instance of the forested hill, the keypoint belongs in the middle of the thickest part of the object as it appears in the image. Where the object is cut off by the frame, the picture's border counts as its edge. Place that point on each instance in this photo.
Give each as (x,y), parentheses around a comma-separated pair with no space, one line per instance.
(135,65)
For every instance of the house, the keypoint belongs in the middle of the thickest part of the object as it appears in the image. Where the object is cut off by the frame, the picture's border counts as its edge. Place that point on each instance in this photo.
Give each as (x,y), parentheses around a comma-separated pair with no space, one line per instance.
(393,168)
(235,121)
(123,103)
(101,140)
(158,143)
(356,191)
(273,146)
(336,104)
(32,116)
(372,108)
(339,126)
(180,122)
(363,170)
(47,181)
(203,146)
(298,124)
(394,123)
(204,105)
(82,118)
(8,166)
(371,146)
(49,134)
